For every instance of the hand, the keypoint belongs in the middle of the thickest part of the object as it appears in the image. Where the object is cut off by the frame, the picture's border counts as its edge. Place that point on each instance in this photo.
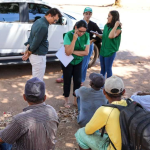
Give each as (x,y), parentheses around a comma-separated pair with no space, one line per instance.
(75,35)
(26,49)
(117,23)
(26,55)
(91,42)
(96,33)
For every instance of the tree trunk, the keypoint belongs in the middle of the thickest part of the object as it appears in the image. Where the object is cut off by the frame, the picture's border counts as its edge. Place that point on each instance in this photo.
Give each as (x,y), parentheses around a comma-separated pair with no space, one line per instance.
(118,2)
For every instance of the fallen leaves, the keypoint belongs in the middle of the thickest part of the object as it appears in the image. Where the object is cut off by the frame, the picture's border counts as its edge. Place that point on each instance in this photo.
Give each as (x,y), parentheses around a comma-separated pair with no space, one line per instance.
(5,120)
(67,115)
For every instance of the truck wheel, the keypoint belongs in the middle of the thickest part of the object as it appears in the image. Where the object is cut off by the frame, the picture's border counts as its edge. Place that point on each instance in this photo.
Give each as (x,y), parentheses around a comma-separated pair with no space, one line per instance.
(94,56)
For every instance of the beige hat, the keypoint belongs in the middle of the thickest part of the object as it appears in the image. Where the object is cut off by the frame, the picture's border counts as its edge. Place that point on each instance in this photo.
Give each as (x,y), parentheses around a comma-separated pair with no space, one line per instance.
(114,85)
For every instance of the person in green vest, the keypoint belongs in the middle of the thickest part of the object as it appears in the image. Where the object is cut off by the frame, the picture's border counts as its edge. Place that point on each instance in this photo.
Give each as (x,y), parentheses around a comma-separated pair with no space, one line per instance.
(76,43)
(111,38)
(87,14)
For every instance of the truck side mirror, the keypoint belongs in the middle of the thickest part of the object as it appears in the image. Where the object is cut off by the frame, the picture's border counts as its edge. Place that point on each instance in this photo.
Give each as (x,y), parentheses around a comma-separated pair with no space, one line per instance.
(62,21)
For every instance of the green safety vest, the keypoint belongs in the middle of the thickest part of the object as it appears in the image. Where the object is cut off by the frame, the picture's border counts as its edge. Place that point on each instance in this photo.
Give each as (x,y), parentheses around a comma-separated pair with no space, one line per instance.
(80,45)
(109,46)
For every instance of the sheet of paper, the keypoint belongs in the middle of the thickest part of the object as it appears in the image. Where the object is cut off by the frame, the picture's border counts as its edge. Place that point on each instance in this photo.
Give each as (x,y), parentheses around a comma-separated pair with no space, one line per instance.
(61,55)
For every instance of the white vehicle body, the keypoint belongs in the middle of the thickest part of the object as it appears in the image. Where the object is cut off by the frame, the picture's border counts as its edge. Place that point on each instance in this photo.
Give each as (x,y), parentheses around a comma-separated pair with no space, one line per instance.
(15,27)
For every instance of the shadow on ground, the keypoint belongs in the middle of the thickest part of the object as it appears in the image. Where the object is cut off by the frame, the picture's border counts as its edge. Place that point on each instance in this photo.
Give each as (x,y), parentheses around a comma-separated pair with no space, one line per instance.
(134,70)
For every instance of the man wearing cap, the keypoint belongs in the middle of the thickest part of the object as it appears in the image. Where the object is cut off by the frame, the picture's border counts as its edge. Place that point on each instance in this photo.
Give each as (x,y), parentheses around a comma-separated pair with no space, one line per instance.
(90,137)
(90,99)
(35,128)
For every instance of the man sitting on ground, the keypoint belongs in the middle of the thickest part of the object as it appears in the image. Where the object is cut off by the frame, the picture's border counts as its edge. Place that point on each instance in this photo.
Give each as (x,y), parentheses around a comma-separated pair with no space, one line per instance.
(142,98)
(90,99)
(89,137)
(35,128)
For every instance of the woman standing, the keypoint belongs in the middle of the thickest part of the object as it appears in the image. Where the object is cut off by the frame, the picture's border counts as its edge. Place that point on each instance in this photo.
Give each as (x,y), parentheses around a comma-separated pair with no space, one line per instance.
(76,43)
(110,42)
(92,26)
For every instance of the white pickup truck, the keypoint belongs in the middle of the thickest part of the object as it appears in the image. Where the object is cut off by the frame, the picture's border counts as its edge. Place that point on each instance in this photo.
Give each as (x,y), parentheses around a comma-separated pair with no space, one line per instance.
(16,19)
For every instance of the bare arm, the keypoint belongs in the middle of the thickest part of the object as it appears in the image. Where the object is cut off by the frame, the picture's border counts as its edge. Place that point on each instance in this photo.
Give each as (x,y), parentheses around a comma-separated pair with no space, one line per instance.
(82,53)
(27,53)
(99,35)
(70,48)
(143,93)
(114,32)
(92,41)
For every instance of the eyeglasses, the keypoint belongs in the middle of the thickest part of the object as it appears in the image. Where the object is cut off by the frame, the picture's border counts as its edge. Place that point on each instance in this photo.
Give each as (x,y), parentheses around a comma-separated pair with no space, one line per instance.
(55,20)
(81,31)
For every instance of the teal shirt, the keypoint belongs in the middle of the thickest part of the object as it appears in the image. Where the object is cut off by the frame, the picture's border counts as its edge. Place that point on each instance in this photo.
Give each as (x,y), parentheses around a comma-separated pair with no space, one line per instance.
(80,45)
(38,37)
(109,46)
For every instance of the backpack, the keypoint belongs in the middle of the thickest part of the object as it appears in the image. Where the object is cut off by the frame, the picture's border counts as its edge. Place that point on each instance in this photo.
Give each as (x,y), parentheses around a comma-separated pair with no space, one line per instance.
(135,126)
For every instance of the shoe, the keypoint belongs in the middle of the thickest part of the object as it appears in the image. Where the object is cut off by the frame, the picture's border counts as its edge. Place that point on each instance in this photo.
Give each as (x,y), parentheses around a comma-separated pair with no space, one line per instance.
(59,80)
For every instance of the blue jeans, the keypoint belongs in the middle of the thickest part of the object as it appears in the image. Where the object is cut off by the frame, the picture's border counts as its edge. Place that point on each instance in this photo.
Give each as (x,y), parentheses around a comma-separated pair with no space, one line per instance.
(78,102)
(5,146)
(85,63)
(106,65)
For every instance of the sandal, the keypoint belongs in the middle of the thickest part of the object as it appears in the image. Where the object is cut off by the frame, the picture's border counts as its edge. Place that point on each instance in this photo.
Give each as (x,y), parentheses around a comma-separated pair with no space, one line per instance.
(59,80)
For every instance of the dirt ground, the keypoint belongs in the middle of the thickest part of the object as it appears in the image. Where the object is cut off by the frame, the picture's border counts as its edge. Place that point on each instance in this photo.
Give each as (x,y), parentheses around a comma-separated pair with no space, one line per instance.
(133,67)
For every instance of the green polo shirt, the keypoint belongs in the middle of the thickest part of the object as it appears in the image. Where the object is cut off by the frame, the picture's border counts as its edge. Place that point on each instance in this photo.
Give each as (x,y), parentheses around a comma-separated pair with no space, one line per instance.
(109,46)
(80,45)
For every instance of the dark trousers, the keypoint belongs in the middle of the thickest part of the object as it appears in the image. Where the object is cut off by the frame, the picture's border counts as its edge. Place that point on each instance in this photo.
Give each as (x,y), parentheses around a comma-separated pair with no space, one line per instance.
(5,146)
(69,72)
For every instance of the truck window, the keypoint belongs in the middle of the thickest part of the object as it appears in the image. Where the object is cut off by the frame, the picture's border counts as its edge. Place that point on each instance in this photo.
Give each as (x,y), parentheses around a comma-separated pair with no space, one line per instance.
(36,11)
(9,12)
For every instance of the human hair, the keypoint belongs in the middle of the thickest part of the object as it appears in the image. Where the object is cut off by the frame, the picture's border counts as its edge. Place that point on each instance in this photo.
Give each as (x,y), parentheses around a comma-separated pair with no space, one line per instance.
(54,12)
(34,99)
(81,23)
(115,95)
(95,87)
(115,17)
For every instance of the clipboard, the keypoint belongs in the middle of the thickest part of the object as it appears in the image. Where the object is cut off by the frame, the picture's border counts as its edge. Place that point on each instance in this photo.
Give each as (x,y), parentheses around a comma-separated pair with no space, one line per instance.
(61,55)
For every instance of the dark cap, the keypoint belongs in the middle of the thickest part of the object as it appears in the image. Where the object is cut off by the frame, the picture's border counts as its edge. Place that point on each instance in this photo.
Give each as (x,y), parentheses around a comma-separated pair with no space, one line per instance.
(97,79)
(35,90)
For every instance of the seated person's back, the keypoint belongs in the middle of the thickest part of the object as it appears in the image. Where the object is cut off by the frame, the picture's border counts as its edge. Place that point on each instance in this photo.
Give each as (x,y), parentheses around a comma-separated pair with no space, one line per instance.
(142,98)
(35,128)
(90,99)
(90,137)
